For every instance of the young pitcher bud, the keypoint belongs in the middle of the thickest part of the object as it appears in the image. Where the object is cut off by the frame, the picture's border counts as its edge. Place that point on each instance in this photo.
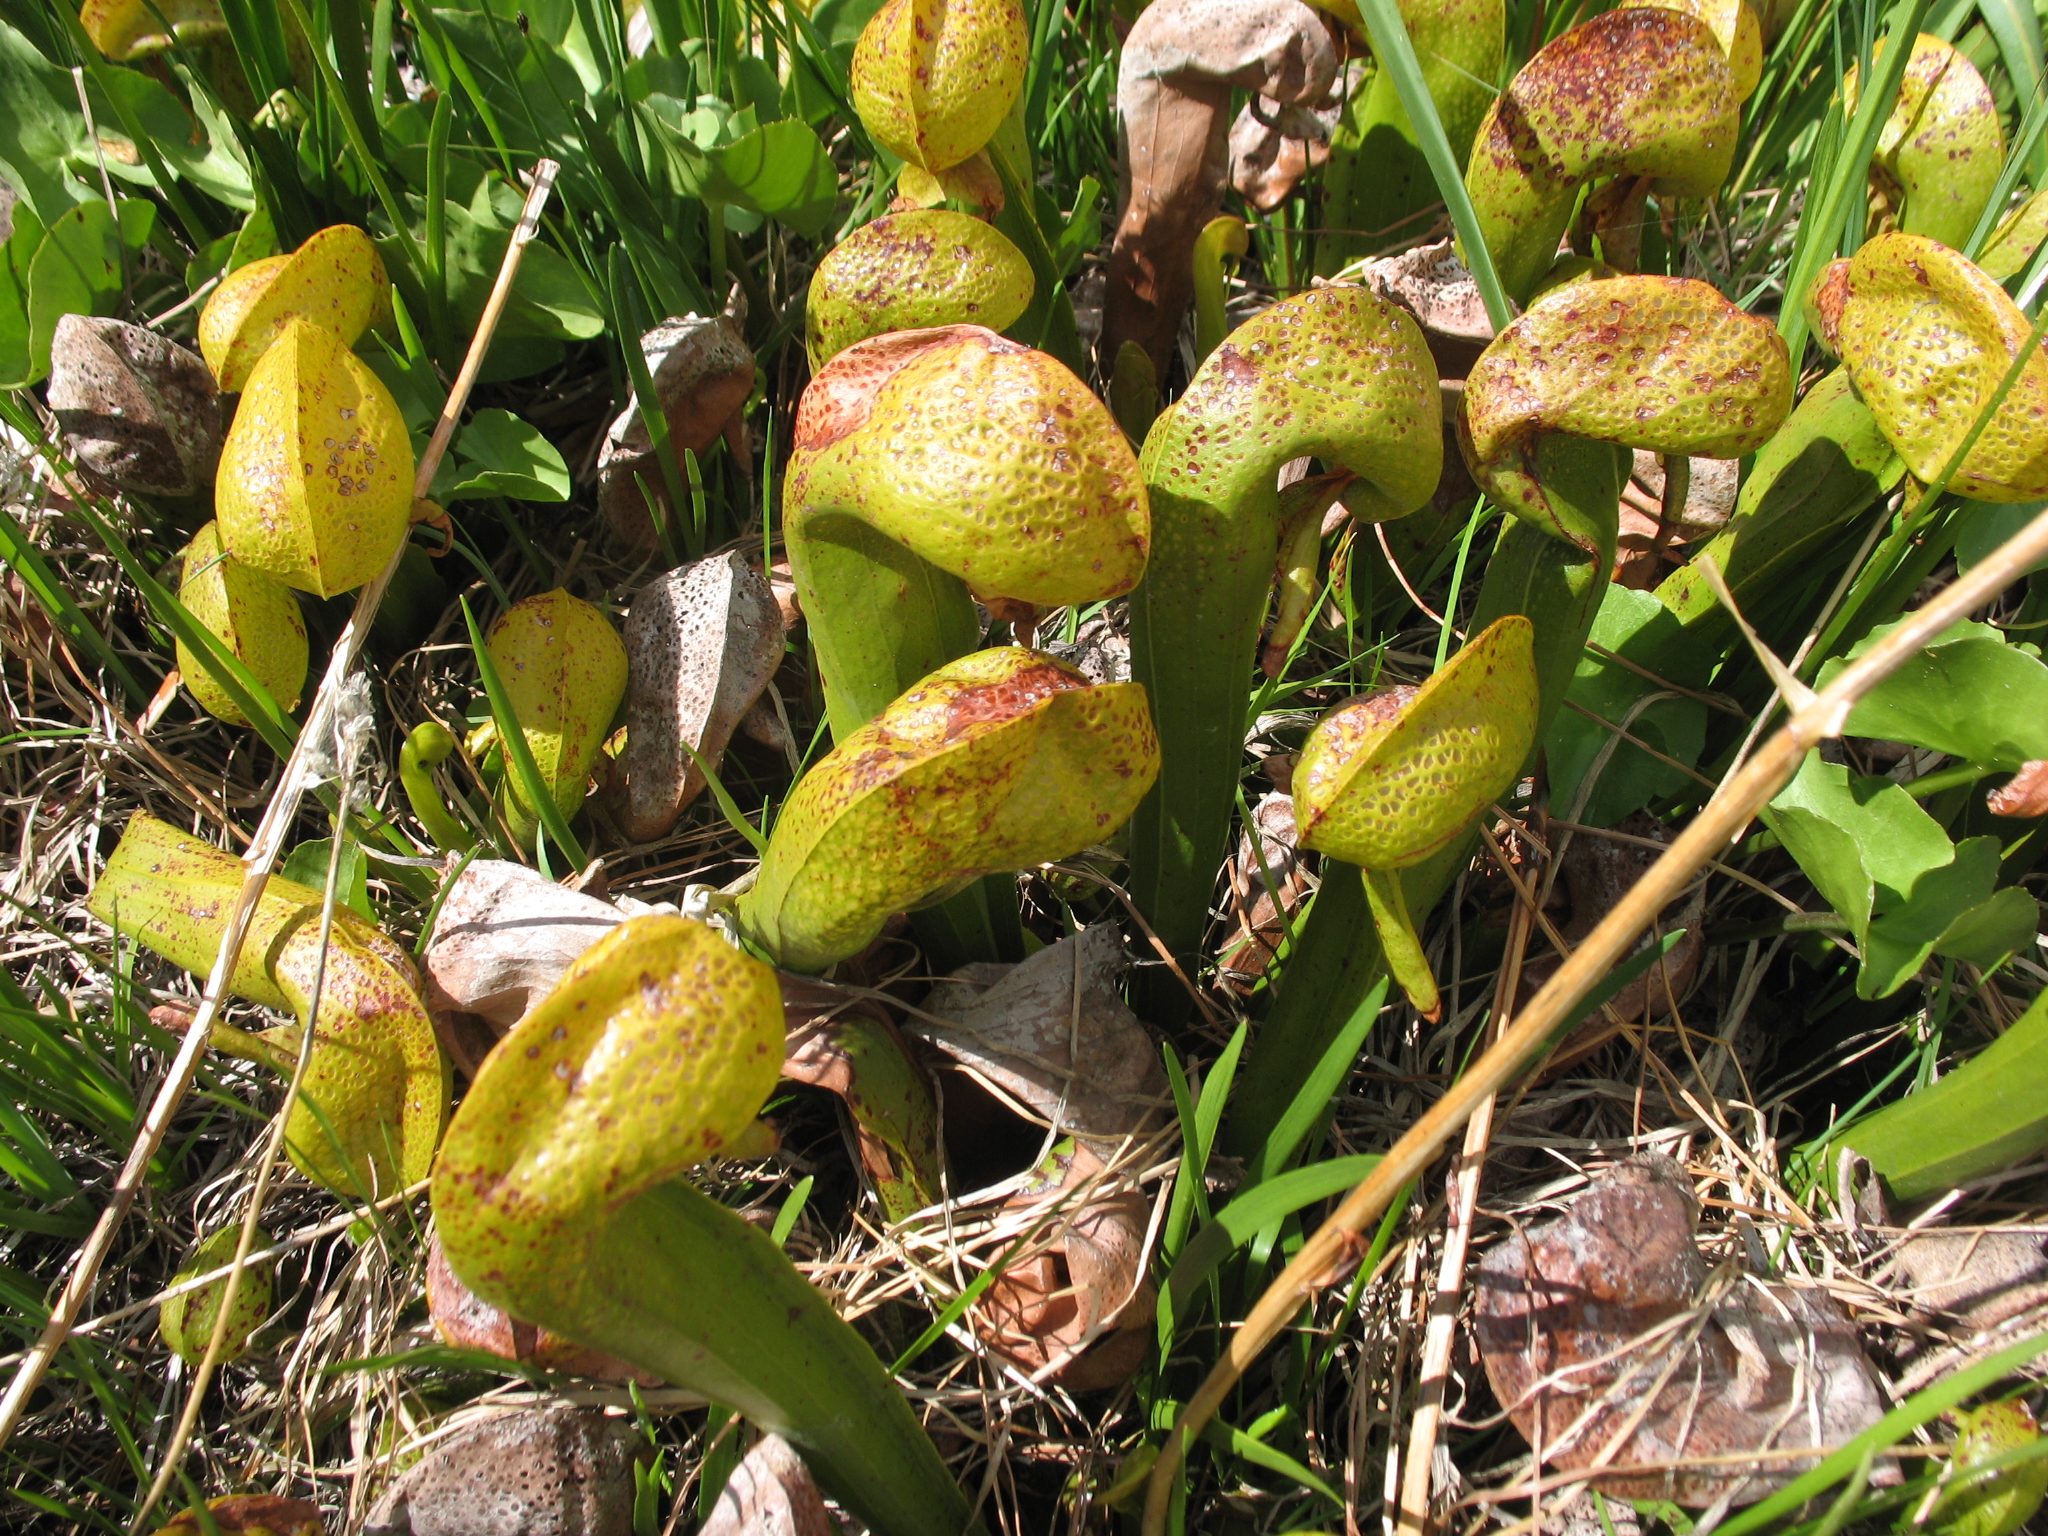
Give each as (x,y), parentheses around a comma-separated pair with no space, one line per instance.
(315,481)
(1991,1503)
(256,618)
(934,79)
(998,761)
(335,281)
(564,669)
(187,1322)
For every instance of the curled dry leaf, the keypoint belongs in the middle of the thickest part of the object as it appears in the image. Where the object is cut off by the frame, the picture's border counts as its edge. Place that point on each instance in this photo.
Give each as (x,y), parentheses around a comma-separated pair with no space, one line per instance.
(1264,909)
(1054,1033)
(701,645)
(553,1471)
(251,1514)
(1080,1305)
(1592,1327)
(1089,1069)
(1597,872)
(465,1320)
(1179,66)
(1274,144)
(2024,794)
(1433,285)
(504,936)
(703,373)
(136,409)
(770,1493)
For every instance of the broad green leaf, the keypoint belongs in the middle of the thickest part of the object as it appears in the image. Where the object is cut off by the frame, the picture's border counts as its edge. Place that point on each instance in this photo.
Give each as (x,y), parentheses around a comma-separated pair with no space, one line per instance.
(1985,1115)
(40,127)
(1906,929)
(1887,867)
(500,455)
(779,169)
(77,268)
(1993,930)
(308,863)
(1984,525)
(1853,835)
(17,361)
(1969,694)
(1638,626)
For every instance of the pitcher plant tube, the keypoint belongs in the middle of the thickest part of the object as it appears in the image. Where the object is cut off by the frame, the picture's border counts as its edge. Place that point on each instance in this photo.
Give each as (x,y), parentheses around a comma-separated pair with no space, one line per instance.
(1386,780)
(557,1198)
(375,1095)
(1336,373)
(1631,93)
(907,271)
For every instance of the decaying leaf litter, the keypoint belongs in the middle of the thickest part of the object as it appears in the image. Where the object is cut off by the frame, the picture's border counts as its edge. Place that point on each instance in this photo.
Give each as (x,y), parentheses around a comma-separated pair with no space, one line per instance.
(993,1180)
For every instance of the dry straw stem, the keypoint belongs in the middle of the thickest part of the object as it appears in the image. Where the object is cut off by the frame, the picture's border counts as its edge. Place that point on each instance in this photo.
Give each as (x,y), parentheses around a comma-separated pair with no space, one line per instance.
(261,858)
(1323,1258)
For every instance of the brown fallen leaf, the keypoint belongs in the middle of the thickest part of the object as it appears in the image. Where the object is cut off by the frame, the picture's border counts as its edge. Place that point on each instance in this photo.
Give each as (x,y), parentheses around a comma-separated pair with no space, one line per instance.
(770,1493)
(1979,1278)
(1092,1071)
(465,1320)
(251,1514)
(1054,1033)
(503,938)
(701,644)
(1264,911)
(1079,1304)
(1612,1343)
(1274,144)
(552,1471)
(1179,65)
(137,410)
(1646,549)
(1435,287)
(703,373)
(2024,794)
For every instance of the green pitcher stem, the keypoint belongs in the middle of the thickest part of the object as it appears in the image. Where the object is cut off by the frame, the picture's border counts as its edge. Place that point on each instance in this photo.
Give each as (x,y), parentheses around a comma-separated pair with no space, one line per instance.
(879,617)
(1399,944)
(640,1282)
(1364,401)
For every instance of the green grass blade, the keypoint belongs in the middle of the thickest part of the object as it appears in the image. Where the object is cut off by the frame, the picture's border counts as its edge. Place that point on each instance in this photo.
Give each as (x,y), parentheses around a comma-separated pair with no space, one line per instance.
(43,584)
(1312,1101)
(1396,55)
(1843,189)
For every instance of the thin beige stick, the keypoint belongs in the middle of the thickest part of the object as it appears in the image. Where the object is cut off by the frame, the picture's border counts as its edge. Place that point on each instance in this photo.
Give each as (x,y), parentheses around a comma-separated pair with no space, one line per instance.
(264,849)
(1442,1328)
(1719,822)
